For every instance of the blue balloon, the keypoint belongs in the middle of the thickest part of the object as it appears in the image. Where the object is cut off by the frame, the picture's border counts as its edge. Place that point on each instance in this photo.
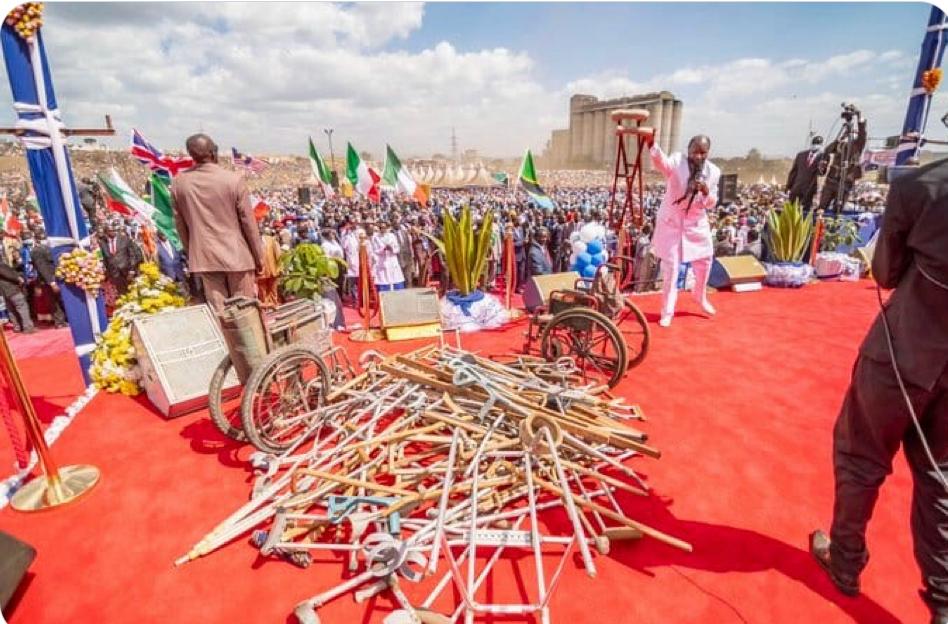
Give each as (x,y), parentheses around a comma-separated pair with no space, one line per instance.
(589,271)
(583,259)
(598,259)
(593,247)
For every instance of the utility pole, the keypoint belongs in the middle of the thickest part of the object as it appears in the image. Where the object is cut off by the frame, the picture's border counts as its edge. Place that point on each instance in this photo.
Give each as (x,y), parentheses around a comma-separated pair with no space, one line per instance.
(332,157)
(454,146)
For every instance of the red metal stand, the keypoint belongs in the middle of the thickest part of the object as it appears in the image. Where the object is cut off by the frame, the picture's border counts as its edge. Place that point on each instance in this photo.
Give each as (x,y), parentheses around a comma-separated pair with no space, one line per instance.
(630,171)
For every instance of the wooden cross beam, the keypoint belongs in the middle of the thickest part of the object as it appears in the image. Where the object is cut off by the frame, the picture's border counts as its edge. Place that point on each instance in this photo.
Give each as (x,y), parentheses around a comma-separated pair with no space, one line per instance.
(108,130)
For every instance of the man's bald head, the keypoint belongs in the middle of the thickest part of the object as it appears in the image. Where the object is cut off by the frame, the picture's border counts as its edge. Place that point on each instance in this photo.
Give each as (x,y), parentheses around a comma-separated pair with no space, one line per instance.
(201,148)
(700,139)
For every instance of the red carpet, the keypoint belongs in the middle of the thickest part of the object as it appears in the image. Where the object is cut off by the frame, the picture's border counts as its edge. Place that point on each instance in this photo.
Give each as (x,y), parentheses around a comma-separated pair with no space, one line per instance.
(742,407)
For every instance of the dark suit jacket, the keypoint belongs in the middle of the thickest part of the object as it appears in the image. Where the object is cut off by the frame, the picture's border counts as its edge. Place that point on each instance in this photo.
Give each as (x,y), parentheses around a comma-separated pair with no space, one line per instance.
(914,234)
(9,279)
(43,263)
(804,175)
(126,258)
(171,265)
(215,220)
(540,263)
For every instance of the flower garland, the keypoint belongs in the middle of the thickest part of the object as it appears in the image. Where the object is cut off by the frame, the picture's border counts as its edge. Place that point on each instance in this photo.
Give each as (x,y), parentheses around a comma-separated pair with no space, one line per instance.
(82,268)
(114,361)
(26,19)
(931,79)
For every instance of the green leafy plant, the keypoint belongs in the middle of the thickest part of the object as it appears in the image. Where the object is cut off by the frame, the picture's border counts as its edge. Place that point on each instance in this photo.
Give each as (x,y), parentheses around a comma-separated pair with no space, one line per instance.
(464,250)
(789,232)
(838,232)
(306,270)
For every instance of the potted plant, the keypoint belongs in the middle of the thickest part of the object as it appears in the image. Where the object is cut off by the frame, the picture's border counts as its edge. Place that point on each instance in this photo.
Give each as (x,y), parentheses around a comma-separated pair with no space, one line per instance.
(465,252)
(306,271)
(838,233)
(788,232)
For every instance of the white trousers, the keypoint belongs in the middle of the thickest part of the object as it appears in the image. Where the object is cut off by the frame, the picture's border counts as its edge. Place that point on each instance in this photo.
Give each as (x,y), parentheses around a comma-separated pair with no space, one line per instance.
(670,268)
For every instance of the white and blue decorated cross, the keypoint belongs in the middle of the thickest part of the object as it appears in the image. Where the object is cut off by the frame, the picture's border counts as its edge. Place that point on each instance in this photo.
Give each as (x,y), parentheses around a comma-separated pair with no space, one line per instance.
(920,98)
(40,129)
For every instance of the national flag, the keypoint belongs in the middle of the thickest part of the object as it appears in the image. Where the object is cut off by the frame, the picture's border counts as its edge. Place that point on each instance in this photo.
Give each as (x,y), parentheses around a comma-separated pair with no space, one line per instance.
(165,166)
(122,199)
(398,176)
(320,171)
(363,179)
(163,216)
(529,183)
(248,162)
(501,176)
(10,224)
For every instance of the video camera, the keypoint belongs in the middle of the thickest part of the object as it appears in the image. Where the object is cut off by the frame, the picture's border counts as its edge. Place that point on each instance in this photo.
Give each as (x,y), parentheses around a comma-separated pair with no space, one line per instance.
(849,111)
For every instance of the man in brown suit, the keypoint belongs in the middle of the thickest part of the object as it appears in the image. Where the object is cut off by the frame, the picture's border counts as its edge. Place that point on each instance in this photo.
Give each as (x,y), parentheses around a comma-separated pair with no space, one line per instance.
(911,256)
(216,224)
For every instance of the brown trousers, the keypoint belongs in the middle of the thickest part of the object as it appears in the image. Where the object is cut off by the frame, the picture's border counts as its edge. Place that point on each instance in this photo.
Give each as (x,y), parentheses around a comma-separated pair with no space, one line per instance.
(873,422)
(221,285)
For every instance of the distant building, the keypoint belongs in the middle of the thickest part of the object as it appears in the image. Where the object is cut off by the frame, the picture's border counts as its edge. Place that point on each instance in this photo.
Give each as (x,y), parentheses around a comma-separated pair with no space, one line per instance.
(590,140)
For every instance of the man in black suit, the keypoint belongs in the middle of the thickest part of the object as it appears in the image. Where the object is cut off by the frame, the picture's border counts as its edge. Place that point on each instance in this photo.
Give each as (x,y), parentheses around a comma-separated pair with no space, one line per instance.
(11,288)
(539,260)
(405,251)
(805,173)
(121,257)
(911,256)
(836,152)
(46,276)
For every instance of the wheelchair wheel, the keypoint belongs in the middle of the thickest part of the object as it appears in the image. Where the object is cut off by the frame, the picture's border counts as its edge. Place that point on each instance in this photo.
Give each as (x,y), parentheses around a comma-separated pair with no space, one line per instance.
(225,410)
(634,329)
(591,339)
(281,395)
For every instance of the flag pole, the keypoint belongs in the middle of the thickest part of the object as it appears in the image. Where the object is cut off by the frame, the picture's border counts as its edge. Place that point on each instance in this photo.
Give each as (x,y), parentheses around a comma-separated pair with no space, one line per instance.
(366,334)
(510,274)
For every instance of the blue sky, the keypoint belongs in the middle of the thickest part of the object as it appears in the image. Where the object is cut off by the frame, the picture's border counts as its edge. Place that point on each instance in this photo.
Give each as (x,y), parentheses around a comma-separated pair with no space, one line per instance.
(261,76)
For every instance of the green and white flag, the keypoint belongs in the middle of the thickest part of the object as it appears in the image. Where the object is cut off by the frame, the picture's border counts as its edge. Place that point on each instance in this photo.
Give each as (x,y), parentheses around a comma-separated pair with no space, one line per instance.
(320,171)
(399,177)
(529,183)
(164,214)
(363,178)
(123,200)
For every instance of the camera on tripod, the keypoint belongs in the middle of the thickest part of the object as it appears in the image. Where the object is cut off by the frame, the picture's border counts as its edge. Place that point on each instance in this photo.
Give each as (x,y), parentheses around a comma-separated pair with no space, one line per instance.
(849,111)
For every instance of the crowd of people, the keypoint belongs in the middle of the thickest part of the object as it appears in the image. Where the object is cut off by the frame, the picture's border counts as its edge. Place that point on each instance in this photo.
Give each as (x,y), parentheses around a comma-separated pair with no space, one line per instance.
(398,229)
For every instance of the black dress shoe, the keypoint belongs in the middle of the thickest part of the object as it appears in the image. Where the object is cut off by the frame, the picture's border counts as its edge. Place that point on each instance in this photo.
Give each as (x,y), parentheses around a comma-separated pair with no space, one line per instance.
(820,549)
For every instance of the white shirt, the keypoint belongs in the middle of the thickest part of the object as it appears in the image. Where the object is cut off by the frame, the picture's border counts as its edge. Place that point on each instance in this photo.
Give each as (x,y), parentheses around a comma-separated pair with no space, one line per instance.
(385,267)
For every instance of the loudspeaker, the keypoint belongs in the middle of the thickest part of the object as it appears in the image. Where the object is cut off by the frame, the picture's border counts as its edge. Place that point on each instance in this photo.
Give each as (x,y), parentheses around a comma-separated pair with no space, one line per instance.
(737,272)
(727,188)
(15,560)
(409,306)
(536,292)
(303,194)
(178,351)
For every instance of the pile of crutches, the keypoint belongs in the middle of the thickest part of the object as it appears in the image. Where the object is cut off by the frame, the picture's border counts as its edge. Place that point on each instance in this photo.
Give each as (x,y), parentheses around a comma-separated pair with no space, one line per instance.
(440,456)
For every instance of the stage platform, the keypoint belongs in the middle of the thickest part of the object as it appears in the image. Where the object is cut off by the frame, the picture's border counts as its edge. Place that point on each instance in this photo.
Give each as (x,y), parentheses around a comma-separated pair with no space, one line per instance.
(742,407)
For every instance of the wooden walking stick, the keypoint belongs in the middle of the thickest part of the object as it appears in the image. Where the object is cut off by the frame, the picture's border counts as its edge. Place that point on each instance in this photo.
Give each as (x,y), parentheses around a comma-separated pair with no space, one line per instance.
(58,486)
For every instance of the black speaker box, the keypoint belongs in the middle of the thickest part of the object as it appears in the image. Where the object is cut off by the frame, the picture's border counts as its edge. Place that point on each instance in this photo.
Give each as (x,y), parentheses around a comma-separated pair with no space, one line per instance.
(727,188)
(15,560)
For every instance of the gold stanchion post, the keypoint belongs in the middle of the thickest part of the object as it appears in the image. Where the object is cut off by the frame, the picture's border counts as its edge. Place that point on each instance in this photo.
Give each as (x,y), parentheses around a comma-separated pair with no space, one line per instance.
(366,334)
(817,237)
(57,486)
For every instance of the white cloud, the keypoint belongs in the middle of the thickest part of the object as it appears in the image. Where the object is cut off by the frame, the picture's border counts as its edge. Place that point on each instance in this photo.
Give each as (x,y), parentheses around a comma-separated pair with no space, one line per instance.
(262,76)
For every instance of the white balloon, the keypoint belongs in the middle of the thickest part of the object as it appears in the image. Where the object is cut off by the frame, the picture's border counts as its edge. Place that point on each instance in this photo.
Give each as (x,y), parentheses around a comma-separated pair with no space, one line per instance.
(587,234)
(572,258)
(579,247)
(574,237)
(605,255)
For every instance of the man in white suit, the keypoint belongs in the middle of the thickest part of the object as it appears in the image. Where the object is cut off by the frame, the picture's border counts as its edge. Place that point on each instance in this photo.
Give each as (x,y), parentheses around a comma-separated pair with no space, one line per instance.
(682,228)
